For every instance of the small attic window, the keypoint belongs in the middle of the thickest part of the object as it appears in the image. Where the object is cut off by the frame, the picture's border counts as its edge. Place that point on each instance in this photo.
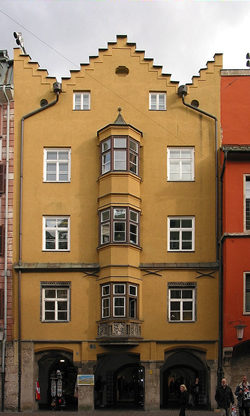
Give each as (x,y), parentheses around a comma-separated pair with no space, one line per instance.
(122,71)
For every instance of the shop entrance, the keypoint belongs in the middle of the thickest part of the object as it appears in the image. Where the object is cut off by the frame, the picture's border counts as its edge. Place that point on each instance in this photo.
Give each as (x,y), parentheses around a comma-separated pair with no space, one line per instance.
(183,367)
(122,379)
(57,380)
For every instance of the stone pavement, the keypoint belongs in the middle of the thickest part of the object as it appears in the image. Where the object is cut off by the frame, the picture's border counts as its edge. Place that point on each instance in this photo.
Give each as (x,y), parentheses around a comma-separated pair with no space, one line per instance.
(107,412)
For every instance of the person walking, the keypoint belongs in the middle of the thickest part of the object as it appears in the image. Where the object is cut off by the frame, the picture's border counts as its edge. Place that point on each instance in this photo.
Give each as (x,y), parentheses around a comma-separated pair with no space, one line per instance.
(224,396)
(183,399)
(242,393)
(195,389)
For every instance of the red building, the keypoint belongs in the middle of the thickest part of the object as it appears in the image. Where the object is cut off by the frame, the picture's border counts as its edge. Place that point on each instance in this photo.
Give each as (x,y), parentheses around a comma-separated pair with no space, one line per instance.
(235,224)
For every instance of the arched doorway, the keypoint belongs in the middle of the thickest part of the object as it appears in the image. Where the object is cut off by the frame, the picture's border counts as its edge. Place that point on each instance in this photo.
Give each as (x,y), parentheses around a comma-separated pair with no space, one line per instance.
(123,378)
(183,367)
(50,363)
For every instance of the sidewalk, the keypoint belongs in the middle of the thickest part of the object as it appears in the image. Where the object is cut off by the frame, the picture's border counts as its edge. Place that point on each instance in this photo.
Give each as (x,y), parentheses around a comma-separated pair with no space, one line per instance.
(107,412)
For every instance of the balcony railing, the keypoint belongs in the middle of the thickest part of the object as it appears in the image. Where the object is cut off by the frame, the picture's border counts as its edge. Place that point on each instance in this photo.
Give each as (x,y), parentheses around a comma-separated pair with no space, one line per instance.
(125,332)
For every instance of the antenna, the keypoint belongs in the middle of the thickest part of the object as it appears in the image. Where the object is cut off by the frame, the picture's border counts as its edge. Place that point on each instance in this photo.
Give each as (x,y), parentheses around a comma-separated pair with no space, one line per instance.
(19,41)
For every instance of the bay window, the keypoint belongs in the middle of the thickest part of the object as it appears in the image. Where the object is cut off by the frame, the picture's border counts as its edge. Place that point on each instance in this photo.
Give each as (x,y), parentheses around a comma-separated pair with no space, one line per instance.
(119,154)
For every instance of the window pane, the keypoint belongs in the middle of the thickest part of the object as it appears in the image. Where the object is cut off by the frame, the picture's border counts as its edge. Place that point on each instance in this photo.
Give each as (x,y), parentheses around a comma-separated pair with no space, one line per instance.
(77,101)
(51,155)
(49,306)
(153,102)
(105,290)
(133,216)
(132,308)
(50,240)
(50,293)
(62,293)
(133,234)
(49,316)
(133,146)
(106,145)
(62,223)
(119,289)
(119,231)
(187,294)
(247,294)
(175,294)
(133,290)
(106,163)
(119,160)
(105,216)
(175,223)
(63,240)
(49,223)
(133,163)
(186,223)
(174,240)
(120,142)
(105,308)
(63,155)
(119,306)
(247,214)
(161,101)
(105,233)
(119,213)
(62,316)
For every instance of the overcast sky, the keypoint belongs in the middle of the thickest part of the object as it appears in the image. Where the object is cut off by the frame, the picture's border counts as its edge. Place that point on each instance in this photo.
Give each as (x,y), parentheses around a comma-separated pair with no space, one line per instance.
(179,35)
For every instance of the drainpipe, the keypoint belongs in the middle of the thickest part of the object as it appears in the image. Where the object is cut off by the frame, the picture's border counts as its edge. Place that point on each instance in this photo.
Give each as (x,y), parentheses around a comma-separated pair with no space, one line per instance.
(182,92)
(57,87)
(4,87)
(220,370)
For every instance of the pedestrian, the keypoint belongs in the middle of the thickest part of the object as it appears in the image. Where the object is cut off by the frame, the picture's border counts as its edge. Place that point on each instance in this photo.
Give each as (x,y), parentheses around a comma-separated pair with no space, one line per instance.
(243,395)
(195,389)
(224,396)
(99,386)
(183,399)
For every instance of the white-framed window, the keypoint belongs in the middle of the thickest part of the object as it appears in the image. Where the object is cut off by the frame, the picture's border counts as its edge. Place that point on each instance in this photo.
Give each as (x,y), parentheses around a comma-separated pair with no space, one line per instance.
(181,232)
(119,300)
(55,301)
(56,233)
(180,164)
(157,101)
(119,154)
(247,293)
(57,165)
(247,203)
(81,100)
(119,225)
(181,302)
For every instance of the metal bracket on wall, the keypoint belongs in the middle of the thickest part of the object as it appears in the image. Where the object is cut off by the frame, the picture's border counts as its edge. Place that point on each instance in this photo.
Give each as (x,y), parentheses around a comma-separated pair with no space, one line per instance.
(91,274)
(154,272)
(202,274)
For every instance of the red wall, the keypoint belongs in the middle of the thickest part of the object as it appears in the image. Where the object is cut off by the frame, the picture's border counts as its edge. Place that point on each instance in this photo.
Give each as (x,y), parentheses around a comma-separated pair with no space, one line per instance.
(235,123)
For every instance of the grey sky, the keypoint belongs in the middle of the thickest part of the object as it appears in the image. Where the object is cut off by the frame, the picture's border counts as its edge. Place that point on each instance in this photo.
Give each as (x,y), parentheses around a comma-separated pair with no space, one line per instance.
(179,35)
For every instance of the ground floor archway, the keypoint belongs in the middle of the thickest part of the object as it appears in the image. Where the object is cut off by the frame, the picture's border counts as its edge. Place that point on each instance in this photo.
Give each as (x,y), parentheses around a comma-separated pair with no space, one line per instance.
(123,381)
(57,367)
(183,367)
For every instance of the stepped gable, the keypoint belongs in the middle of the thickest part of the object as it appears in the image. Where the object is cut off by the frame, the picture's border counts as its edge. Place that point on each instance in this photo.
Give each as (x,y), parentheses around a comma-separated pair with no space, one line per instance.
(209,69)
(122,43)
(36,70)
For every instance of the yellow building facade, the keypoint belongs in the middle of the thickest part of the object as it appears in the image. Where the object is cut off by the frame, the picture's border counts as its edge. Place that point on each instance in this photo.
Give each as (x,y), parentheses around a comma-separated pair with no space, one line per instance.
(115,232)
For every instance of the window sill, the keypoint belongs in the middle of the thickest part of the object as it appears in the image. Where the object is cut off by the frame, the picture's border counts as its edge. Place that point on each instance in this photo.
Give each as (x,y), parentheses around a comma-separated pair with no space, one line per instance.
(102,246)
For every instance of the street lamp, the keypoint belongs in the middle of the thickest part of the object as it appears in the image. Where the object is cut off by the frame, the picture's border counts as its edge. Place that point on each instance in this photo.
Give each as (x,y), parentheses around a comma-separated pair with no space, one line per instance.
(1,333)
(239,329)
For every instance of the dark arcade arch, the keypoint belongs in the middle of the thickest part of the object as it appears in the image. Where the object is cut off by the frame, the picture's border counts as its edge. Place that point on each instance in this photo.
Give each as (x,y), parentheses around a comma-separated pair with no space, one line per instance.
(49,362)
(183,367)
(123,376)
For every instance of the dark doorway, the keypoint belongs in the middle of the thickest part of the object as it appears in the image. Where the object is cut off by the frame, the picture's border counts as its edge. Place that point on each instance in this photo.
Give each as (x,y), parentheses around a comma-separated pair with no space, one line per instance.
(49,366)
(183,367)
(123,381)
